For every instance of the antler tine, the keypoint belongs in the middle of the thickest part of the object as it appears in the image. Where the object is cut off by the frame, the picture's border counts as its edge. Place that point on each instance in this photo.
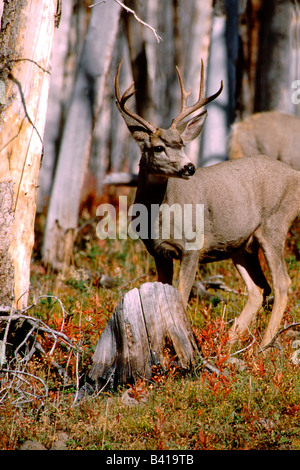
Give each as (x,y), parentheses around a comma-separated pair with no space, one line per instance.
(187,110)
(201,91)
(121,101)
(117,84)
(184,94)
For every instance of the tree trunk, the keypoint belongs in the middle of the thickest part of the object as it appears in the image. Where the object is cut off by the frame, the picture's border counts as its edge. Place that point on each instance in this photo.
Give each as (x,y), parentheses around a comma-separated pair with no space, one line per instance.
(262,55)
(243,44)
(213,136)
(62,217)
(273,84)
(26,37)
(145,322)
(137,50)
(61,83)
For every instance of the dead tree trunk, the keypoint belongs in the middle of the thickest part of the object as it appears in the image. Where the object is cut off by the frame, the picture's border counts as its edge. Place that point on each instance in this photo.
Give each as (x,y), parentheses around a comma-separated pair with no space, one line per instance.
(60,86)
(26,37)
(62,217)
(145,322)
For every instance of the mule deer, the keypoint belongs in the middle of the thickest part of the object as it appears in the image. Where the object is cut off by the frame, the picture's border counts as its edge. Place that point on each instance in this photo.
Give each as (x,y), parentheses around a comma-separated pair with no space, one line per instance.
(248,203)
(272,133)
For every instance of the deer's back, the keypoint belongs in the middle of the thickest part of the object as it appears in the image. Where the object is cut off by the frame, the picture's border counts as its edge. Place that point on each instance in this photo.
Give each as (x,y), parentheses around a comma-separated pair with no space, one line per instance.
(271,133)
(238,196)
(260,177)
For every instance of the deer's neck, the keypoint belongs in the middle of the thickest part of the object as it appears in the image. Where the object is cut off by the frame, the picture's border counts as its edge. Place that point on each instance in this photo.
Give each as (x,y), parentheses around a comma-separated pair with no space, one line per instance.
(151,188)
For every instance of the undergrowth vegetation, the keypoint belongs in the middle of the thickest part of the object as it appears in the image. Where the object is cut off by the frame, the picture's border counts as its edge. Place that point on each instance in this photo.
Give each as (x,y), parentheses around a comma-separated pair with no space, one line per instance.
(252,404)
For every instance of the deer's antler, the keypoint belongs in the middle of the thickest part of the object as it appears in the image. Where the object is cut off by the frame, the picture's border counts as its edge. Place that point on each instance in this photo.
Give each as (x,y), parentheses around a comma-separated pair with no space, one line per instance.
(187,110)
(122,99)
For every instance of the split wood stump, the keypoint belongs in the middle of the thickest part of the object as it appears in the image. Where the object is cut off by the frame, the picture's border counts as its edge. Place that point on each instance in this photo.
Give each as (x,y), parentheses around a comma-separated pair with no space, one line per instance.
(145,322)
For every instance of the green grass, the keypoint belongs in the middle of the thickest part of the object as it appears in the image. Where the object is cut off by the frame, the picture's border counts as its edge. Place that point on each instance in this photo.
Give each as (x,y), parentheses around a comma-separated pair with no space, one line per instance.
(254,407)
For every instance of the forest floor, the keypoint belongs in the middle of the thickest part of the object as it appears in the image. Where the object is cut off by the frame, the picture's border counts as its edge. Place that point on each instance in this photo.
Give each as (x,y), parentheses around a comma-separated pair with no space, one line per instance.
(253,404)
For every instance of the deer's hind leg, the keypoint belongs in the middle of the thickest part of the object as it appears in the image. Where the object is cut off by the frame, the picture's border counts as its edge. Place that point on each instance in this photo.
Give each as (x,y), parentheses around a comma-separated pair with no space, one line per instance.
(274,254)
(248,266)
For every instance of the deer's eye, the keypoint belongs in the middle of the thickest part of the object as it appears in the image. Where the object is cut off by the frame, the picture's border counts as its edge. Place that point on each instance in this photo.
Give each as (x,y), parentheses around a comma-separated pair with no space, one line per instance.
(159,149)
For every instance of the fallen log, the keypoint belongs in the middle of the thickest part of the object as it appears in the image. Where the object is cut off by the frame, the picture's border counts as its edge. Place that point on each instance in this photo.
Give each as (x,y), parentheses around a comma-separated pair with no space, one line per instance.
(146,322)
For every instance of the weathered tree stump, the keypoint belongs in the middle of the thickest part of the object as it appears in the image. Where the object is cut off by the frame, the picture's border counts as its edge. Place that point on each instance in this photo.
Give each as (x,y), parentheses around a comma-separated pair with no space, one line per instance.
(145,322)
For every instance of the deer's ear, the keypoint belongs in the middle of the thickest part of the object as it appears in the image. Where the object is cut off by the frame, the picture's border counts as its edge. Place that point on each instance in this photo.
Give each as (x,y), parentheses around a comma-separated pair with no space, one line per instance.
(137,130)
(139,133)
(193,127)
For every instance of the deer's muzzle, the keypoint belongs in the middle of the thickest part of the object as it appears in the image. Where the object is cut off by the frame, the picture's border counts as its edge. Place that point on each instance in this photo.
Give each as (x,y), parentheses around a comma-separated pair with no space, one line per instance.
(187,171)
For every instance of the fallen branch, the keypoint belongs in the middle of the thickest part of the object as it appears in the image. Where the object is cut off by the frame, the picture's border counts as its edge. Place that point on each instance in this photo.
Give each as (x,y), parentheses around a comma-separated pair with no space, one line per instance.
(15,380)
(271,343)
(41,326)
(22,372)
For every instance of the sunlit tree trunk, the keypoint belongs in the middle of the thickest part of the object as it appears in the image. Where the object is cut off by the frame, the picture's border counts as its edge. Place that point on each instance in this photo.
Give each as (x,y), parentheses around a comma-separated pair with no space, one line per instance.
(26,37)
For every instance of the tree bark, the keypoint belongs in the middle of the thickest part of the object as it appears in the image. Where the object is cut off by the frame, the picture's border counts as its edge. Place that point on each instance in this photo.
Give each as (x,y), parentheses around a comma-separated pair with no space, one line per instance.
(6,226)
(26,37)
(63,212)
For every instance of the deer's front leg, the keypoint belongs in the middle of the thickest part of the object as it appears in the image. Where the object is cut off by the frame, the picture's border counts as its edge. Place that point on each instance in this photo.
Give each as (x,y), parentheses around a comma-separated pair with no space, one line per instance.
(164,268)
(187,274)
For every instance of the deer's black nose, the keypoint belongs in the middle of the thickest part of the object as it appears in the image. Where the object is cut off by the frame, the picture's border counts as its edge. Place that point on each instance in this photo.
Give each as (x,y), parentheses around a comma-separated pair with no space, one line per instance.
(189,169)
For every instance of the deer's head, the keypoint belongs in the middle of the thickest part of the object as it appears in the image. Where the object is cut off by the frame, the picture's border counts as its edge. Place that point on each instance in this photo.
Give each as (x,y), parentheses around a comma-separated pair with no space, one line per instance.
(163,149)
